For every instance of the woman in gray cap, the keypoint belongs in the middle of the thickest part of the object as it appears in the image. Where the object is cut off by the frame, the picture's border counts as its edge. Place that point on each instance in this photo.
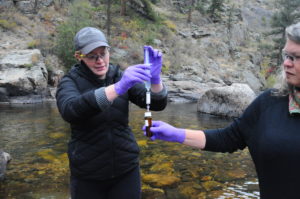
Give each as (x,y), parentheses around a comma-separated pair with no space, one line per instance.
(269,127)
(94,97)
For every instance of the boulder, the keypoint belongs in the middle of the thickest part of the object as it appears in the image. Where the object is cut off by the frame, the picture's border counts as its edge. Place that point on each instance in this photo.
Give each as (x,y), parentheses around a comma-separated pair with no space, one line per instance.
(229,101)
(23,72)
(5,4)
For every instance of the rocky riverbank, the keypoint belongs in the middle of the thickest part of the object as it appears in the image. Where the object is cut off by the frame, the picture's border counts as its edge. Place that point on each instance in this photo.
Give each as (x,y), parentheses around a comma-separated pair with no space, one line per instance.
(25,79)
(204,57)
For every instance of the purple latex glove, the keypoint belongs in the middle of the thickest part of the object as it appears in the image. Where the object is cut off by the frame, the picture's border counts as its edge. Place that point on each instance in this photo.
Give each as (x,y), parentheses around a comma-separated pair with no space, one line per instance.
(132,75)
(155,59)
(166,132)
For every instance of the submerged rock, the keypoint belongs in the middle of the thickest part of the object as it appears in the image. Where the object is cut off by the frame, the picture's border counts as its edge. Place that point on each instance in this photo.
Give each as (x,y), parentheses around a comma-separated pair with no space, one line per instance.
(160,180)
(150,193)
(212,185)
(4,160)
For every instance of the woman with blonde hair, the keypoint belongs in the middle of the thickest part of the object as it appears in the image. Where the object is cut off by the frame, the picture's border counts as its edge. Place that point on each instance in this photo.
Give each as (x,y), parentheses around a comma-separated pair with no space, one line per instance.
(94,98)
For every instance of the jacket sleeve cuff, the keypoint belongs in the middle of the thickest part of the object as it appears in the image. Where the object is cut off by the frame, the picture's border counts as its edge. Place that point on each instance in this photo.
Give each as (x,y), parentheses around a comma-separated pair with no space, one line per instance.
(101,98)
(162,94)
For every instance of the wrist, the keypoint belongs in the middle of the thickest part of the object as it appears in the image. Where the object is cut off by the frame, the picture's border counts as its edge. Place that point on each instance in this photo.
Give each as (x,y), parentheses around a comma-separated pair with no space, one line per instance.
(118,88)
(111,93)
(180,135)
(155,80)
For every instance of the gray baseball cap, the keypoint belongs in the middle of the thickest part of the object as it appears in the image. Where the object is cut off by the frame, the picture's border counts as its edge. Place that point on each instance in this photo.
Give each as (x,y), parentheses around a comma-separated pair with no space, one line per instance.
(89,38)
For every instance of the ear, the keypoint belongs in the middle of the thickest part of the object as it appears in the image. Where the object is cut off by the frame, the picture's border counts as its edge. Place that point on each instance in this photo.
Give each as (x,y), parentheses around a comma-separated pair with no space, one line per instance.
(78,55)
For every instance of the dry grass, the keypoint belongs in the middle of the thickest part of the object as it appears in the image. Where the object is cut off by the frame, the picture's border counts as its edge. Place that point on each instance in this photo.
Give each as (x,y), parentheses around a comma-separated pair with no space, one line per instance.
(35,58)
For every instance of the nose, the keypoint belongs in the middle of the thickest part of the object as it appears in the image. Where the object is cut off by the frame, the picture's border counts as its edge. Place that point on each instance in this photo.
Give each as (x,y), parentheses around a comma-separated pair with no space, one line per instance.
(99,59)
(288,62)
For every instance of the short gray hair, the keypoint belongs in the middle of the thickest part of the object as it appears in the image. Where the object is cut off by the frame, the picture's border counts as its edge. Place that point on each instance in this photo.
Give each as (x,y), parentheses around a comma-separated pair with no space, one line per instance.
(292,33)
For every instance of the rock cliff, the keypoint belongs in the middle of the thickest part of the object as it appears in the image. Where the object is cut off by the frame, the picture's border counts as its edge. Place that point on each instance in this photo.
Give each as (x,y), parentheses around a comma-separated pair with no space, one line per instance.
(200,55)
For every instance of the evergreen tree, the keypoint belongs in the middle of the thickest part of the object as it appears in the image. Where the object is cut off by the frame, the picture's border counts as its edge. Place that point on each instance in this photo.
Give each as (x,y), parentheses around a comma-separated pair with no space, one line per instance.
(123,7)
(108,14)
(80,16)
(202,6)
(188,6)
(144,7)
(191,8)
(215,8)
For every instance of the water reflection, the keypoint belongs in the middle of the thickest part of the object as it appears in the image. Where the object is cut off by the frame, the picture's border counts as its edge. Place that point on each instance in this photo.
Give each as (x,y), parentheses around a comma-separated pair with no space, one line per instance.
(37,137)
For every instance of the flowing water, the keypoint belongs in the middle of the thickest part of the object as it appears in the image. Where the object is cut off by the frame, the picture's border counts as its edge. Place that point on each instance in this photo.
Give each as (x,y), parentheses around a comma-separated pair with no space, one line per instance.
(36,137)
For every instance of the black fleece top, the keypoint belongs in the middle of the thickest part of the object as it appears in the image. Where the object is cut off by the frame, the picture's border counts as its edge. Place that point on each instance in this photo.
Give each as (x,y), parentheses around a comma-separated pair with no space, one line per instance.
(272,136)
(102,145)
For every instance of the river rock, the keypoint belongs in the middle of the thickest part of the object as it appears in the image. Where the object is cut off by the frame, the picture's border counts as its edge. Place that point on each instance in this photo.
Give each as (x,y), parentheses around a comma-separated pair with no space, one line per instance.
(4,4)
(212,185)
(160,180)
(4,160)
(23,72)
(183,89)
(150,193)
(228,101)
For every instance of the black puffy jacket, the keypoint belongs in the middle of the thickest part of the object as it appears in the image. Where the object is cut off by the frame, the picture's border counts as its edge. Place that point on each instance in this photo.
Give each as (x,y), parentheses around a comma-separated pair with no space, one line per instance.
(102,145)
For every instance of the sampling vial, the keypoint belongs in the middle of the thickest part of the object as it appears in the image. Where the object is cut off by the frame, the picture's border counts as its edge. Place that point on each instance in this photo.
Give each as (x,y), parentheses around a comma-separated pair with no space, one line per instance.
(147,83)
(148,123)
(148,115)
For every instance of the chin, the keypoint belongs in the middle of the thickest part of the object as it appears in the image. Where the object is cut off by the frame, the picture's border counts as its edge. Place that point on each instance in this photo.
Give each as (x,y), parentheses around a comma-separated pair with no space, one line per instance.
(297,84)
(100,74)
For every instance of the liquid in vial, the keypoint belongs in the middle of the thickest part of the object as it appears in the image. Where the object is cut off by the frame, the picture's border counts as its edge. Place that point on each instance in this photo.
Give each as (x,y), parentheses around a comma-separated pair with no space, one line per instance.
(148,123)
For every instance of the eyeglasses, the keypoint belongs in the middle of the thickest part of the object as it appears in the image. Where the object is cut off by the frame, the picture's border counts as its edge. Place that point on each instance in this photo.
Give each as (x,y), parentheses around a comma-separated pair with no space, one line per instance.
(95,57)
(286,55)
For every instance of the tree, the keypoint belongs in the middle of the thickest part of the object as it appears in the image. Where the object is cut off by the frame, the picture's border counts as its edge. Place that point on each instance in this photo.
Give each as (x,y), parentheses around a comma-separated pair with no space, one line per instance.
(108,22)
(191,9)
(201,6)
(80,16)
(215,8)
(35,6)
(229,25)
(123,7)
(144,7)
(187,7)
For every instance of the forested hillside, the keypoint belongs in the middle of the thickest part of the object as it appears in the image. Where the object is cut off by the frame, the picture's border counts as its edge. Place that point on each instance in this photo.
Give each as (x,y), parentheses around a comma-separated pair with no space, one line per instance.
(203,41)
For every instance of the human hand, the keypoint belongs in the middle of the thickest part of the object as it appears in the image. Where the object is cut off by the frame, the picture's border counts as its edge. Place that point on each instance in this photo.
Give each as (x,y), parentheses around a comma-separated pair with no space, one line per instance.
(132,75)
(166,132)
(155,59)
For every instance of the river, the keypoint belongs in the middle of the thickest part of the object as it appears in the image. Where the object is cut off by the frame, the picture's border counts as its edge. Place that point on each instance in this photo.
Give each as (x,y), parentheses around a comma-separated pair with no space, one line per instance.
(37,137)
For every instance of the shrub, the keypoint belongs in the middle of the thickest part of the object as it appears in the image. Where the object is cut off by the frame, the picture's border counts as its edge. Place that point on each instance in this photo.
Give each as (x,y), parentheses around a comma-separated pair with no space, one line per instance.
(35,58)
(170,25)
(80,16)
(270,81)
(8,25)
(28,66)
(33,44)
